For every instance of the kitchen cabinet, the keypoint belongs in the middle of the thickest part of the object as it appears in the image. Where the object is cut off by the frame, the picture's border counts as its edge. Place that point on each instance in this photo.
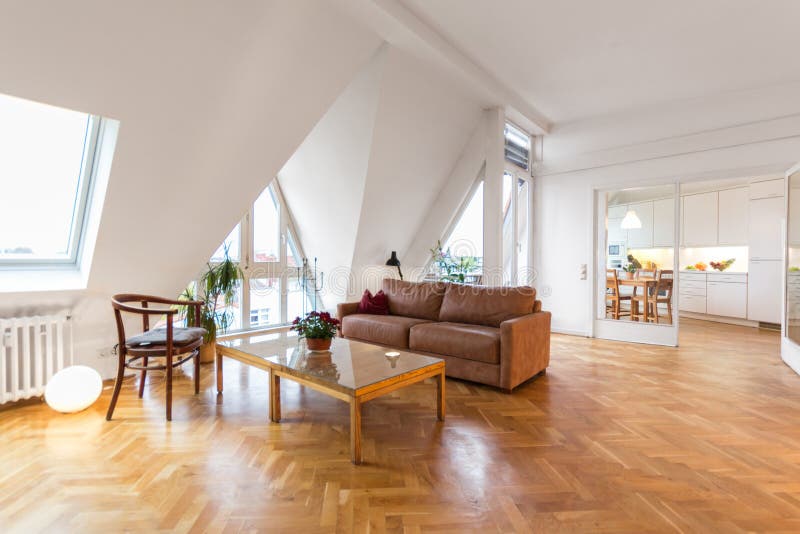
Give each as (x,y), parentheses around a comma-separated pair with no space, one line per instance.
(726,297)
(618,211)
(692,292)
(766,189)
(642,237)
(733,209)
(764,228)
(764,291)
(700,214)
(615,231)
(664,223)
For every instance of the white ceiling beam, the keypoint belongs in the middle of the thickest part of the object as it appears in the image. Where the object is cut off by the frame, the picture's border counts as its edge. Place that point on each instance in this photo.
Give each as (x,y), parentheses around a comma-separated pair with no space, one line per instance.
(401,27)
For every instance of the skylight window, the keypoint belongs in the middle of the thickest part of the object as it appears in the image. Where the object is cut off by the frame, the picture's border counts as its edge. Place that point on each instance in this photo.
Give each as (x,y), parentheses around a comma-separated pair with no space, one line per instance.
(46,160)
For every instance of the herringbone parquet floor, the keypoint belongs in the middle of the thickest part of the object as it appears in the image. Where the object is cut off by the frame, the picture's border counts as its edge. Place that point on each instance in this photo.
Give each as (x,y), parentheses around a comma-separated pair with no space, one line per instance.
(615,438)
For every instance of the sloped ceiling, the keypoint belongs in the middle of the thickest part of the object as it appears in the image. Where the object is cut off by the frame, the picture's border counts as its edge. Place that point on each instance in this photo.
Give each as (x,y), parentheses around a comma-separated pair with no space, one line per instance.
(324,181)
(212,100)
(382,154)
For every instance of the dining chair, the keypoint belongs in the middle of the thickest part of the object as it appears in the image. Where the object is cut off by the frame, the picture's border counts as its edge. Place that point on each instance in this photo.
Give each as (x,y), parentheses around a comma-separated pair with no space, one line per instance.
(176,345)
(660,293)
(613,296)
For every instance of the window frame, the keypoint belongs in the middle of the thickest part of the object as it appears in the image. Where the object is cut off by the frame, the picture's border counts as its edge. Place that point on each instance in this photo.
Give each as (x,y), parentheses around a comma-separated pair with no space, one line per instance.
(80,210)
(280,269)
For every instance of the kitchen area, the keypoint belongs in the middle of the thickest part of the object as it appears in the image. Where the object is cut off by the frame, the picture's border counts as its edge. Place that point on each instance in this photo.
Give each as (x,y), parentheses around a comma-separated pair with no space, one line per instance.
(729,254)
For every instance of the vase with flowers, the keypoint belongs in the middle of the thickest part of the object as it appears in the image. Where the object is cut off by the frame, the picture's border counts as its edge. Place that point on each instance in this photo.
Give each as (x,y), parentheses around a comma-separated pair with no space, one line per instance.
(317,328)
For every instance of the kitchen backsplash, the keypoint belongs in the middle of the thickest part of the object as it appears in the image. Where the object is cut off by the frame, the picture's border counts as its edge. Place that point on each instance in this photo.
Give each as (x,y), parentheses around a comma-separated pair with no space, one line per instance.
(689,256)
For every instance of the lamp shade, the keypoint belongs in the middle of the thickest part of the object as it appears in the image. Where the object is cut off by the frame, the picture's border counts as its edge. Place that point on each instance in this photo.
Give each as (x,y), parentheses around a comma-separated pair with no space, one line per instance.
(73,389)
(394,261)
(631,221)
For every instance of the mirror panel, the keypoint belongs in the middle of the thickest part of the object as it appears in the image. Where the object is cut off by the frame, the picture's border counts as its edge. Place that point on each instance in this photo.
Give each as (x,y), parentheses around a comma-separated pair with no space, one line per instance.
(793,260)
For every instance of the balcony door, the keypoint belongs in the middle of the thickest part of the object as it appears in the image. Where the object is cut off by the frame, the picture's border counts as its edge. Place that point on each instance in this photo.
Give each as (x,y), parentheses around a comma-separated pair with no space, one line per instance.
(516,239)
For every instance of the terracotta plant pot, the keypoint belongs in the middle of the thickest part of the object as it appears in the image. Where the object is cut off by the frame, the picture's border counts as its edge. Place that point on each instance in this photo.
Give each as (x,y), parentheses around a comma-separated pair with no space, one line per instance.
(318,344)
(208,352)
(628,275)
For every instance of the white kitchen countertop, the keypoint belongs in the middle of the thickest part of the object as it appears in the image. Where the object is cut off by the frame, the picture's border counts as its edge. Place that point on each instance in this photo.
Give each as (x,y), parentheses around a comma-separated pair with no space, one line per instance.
(711,271)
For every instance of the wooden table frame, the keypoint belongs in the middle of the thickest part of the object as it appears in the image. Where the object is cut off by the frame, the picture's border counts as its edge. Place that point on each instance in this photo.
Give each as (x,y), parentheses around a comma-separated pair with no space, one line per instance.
(354,397)
(644,283)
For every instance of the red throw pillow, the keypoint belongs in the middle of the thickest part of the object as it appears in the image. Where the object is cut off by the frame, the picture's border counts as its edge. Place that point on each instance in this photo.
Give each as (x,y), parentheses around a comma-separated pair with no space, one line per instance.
(377,304)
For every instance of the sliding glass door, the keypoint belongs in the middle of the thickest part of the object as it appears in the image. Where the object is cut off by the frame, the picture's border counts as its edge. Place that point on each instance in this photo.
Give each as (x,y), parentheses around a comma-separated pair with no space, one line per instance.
(636,264)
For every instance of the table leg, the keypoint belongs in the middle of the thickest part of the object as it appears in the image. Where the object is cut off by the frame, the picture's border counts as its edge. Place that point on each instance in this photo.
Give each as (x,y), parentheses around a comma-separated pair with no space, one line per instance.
(440,407)
(646,311)
(355,431)
(274,397)
(218,360)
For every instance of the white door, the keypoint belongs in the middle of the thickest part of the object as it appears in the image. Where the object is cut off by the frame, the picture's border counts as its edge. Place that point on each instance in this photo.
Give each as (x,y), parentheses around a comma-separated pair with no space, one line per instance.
(517,230)
(625,326)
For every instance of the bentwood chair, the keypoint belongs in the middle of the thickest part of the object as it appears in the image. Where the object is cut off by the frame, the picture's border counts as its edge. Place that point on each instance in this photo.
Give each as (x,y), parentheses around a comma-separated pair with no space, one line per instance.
(176,345)
(613,297)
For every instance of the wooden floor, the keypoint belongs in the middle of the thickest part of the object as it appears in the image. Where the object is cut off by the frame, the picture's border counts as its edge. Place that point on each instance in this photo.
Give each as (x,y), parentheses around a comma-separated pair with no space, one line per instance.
(615,438)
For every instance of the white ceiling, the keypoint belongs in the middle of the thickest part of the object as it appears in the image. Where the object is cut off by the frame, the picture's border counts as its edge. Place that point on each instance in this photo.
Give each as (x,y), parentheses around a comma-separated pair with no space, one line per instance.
(574,59)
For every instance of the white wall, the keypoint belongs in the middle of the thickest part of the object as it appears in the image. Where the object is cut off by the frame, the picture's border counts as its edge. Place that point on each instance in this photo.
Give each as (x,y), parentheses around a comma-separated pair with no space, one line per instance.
(364,180)
(647,148)
(424,120)
(212,99)
(324,181)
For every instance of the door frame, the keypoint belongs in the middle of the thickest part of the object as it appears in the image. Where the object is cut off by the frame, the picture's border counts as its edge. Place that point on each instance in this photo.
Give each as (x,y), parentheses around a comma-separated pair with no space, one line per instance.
(518,173)
(629,331)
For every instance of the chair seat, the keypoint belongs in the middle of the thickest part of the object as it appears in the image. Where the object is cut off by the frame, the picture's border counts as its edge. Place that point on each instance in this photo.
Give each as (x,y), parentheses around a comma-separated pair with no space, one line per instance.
(180,337)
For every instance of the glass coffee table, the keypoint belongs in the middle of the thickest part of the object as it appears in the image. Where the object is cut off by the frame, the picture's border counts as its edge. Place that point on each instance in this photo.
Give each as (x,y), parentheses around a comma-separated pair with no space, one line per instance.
(351,371)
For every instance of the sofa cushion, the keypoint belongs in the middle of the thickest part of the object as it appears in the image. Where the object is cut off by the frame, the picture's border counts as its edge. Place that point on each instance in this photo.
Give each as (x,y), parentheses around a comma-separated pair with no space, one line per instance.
(389,330)
(488,306)
(158,336)
(376,304)
(414,299)
(468,341)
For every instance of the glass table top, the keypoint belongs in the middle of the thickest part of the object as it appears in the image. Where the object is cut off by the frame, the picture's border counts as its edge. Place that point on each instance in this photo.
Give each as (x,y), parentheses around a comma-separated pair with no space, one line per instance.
(348,365)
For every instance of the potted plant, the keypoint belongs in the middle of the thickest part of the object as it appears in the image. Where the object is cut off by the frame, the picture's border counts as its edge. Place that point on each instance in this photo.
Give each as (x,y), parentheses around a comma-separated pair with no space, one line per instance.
(318,329)
(629,270)
(218,284)
(452,268)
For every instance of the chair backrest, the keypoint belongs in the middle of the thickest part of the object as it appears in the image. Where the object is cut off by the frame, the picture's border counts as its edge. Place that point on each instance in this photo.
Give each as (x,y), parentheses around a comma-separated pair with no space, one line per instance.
(664,284)
(645,273)
(612,281)
(122,303)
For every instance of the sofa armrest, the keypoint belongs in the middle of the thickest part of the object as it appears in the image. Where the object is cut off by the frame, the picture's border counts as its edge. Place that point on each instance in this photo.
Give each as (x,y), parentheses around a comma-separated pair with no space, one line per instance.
(346,308)
(524,348)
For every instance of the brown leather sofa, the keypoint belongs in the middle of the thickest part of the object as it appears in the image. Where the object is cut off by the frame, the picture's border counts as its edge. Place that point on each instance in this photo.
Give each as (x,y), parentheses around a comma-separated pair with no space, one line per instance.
(493,335)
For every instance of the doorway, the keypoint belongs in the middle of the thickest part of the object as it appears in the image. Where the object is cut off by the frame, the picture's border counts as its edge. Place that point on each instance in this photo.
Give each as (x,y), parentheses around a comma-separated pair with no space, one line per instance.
(636,238)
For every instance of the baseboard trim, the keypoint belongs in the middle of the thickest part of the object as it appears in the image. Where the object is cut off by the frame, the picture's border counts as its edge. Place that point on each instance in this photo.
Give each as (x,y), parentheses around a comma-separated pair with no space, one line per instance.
(719,319)
(569,332)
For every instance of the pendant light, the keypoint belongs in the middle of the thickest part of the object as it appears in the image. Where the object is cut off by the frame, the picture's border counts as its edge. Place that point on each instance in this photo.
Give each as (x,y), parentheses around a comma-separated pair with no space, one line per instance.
(631,221)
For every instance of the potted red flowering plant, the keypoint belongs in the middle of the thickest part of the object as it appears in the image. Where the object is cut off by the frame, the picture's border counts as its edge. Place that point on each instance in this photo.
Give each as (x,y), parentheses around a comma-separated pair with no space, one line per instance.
(318,328)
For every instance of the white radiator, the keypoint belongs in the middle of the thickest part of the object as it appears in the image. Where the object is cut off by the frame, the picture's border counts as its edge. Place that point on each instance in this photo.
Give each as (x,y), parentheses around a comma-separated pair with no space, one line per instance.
(32,349)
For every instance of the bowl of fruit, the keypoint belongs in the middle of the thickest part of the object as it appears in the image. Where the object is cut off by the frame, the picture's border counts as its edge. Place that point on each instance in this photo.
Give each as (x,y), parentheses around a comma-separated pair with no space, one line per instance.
(699,266)
(722,265)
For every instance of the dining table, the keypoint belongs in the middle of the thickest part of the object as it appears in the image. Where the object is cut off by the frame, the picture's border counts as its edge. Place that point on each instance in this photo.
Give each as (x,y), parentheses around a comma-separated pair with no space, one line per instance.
(645,282)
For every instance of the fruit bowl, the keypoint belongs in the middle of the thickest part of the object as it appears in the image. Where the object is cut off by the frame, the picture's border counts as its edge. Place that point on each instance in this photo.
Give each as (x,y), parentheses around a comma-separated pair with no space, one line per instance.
(722,265)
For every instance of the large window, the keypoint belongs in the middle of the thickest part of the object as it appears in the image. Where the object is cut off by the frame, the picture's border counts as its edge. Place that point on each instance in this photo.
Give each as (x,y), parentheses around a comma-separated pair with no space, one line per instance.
(46,161)
(271,259)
